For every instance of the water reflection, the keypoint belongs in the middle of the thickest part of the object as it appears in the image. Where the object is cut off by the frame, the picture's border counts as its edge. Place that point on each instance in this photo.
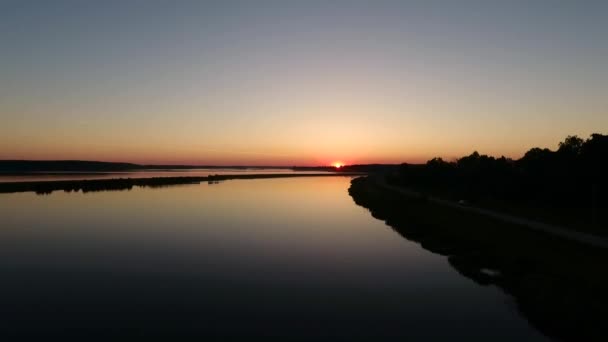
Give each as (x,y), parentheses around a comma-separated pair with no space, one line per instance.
(57,176)
(121,184)
(276,258)
(555,283)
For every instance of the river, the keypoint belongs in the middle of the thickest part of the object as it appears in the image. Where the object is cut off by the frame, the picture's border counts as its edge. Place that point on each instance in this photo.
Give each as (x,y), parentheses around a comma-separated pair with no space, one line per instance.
(276,258)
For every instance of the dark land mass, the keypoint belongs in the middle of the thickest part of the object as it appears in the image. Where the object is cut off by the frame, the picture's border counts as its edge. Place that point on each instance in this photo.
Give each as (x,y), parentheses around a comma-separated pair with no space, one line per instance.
(367,168)
(27,166)
(47,187)
(80,166)
(567,187)
(558,285)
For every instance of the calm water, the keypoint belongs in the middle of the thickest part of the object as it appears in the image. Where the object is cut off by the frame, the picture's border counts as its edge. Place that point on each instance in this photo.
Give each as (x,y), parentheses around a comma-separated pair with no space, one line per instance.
(50,176)
(273,257)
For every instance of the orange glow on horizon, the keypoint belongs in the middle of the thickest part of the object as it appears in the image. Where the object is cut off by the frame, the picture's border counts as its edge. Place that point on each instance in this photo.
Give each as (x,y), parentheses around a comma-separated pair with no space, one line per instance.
(337,165)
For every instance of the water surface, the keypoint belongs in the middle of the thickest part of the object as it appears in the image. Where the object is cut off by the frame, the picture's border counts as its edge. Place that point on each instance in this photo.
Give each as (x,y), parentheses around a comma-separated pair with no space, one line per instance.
(270,257)
(148,173)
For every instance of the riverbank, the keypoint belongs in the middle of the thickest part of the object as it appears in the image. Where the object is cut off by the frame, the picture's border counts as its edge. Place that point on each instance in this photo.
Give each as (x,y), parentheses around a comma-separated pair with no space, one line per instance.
(47,187)
(557,284)
(565,232)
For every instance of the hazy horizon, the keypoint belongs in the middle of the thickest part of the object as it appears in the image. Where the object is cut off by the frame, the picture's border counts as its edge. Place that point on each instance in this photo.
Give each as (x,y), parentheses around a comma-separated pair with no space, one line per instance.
(288,83)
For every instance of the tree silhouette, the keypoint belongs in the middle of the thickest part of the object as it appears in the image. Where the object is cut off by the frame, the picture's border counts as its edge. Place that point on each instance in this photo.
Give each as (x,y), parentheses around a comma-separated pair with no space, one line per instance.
(570,182)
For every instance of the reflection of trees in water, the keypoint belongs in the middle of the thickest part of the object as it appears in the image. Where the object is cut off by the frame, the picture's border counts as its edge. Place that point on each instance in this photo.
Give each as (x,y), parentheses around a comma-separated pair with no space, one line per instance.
(118,184)
(126,184)
(559,299)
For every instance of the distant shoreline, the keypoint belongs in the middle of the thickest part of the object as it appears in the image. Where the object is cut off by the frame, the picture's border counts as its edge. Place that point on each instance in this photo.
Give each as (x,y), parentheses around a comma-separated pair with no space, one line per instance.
(30,166)
(91,185)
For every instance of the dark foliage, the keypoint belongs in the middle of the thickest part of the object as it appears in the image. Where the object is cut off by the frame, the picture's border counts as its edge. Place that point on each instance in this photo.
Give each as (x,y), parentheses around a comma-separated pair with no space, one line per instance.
(47,187)
(572,178)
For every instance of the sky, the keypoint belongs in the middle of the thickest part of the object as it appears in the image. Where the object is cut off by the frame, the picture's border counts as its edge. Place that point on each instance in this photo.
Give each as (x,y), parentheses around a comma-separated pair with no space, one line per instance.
(298,82)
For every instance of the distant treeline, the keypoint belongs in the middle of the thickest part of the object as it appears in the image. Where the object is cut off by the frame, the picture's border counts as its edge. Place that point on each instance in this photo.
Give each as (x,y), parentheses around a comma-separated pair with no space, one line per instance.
(368,168)
(28,166)
(93,185)
(573,176)
(25,166)
(17,166)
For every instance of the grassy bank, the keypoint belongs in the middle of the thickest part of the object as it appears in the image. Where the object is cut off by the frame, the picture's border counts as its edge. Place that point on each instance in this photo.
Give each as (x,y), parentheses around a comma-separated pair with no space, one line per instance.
(560,286)
(47,187)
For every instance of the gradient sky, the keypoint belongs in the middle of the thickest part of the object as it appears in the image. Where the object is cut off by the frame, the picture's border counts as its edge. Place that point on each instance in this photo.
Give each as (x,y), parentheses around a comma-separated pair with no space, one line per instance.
(298,82)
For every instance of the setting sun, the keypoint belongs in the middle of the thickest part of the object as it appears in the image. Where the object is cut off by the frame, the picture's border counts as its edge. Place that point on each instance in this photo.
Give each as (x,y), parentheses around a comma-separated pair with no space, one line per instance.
(209,132)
